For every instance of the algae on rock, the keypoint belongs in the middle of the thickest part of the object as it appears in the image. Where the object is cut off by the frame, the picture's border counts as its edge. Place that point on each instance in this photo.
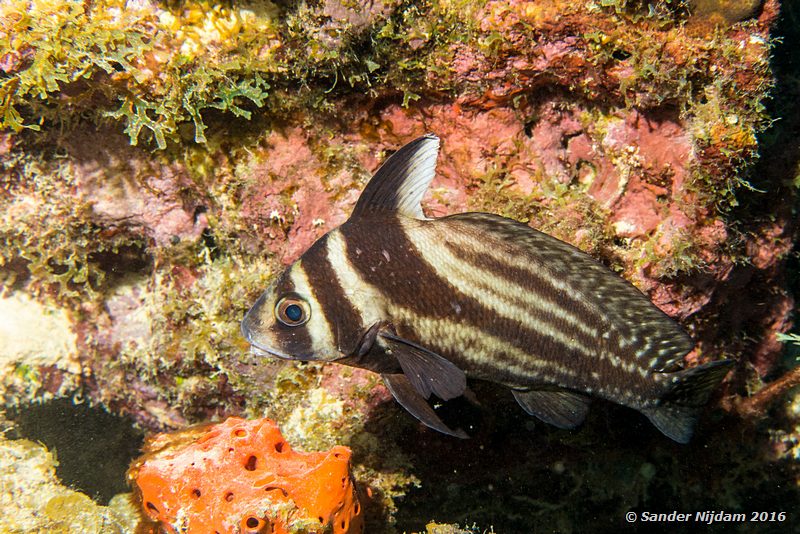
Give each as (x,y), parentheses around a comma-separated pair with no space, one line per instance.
(630,129)
(34,500)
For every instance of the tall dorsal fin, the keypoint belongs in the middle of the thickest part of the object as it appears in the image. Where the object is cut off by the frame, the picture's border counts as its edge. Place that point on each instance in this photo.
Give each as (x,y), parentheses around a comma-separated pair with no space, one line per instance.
(402,180)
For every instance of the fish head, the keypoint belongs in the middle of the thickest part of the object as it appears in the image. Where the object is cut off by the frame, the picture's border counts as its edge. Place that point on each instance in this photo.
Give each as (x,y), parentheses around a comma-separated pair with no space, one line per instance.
(285,320)
(319,309)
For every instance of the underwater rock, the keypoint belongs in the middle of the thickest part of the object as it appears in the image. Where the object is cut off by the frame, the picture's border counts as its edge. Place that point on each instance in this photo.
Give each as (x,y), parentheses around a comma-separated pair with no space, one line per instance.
(32,365)
(729,11)
(633,130)
(438,528)
(288,218)
(243,477)
(34,500)
(128,190)
(338,19)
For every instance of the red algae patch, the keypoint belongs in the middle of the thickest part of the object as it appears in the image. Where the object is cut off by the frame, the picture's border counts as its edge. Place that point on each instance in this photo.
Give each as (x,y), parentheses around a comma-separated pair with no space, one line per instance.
(242,477)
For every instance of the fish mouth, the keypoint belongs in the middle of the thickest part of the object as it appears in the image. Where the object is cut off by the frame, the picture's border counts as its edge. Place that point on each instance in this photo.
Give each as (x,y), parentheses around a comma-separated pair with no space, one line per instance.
(247,326)
(260,350)
(255,347)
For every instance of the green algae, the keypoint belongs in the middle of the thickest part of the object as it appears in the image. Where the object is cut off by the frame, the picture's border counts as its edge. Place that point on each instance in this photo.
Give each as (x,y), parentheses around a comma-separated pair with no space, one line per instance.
(63,44)
(55,256)
(145,68)
(49,241)
(114,49)
(191,331)
(563,210)
(438,528)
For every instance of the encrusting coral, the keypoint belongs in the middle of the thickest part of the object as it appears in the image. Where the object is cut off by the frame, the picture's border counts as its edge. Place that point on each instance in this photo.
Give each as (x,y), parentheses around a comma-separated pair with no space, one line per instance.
(242,477)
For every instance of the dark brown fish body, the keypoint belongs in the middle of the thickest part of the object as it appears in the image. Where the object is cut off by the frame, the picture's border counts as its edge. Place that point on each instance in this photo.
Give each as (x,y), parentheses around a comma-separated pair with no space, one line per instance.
(427,303)
(519,326)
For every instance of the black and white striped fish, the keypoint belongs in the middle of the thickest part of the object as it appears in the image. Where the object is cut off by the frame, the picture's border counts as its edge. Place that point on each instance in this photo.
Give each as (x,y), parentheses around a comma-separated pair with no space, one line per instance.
(429,302)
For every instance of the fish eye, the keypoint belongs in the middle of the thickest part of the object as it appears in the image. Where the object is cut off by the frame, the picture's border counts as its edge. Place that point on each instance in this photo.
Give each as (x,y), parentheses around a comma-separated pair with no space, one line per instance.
(292,311)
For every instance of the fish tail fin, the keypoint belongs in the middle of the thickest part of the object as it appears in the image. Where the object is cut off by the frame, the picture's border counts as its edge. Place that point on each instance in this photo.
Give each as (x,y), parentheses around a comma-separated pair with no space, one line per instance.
(688,392)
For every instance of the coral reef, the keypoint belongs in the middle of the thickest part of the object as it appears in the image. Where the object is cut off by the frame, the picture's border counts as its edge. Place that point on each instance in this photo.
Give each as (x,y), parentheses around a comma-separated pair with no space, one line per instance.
(160,161)
(242,476)
(113,47)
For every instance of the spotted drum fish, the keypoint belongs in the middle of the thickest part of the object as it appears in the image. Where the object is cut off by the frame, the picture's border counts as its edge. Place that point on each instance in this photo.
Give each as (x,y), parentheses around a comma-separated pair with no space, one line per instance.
(429,302)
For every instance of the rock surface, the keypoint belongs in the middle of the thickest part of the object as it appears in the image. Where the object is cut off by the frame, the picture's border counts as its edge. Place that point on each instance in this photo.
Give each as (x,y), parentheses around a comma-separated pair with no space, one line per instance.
(160,164)
(34,500)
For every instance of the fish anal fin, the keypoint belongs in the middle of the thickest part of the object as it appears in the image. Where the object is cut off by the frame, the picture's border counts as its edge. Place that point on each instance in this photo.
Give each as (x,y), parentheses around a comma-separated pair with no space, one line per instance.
(427,371)
(560,408)
(399,184)
(407,396)
(687,392)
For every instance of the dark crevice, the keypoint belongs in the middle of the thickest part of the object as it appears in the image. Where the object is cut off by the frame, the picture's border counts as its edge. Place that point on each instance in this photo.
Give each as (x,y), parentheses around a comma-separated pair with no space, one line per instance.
(94,448)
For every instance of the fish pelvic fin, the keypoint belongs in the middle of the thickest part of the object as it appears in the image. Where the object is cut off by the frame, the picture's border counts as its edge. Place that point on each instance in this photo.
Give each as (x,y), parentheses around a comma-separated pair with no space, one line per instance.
(399,184)
(405,393)
(425,370)
(560,408)
(688,392)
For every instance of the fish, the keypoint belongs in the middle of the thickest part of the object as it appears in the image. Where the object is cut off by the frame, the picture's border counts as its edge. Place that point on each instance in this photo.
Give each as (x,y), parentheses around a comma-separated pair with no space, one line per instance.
(429,303)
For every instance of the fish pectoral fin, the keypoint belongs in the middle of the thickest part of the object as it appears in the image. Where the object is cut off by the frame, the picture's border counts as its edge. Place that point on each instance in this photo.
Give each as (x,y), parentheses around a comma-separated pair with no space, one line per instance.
(560,408)
(426,371)
(407,396)
(399,184)
(367,340)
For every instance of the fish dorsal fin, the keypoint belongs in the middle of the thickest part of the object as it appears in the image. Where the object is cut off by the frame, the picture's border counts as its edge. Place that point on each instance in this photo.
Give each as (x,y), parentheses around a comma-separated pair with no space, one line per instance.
(563,409)
(399,184)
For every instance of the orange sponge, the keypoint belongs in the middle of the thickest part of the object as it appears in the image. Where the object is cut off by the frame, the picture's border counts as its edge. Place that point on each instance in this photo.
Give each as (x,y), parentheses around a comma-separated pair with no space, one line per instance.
(241,477)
